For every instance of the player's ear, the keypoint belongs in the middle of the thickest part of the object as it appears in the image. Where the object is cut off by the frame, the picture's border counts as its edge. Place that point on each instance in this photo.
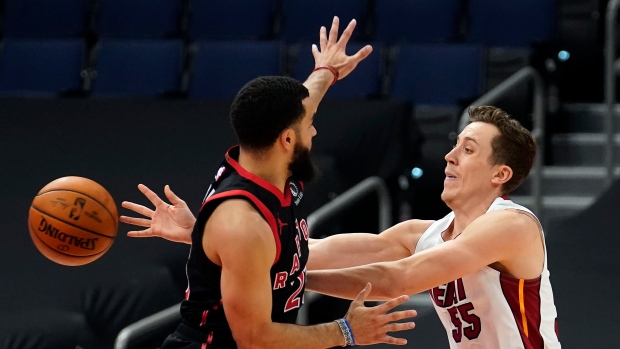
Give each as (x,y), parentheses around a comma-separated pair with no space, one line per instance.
(287,138)
(503,175)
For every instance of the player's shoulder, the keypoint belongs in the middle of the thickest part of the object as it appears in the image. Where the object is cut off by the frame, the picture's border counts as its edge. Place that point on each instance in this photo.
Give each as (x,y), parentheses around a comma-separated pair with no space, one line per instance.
(236,216)
(411,226)
(418,226)
(407,233)
(509,219)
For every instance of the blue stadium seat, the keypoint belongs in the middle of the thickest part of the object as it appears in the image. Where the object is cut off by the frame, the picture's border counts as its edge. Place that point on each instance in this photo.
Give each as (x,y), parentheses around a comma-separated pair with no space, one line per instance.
(364,81)
(139,18)
(437,74)
(144,68)
(45,18)
(301,19)
(221,68)
(40,67)
(416,21)
(231,19)
(514,23)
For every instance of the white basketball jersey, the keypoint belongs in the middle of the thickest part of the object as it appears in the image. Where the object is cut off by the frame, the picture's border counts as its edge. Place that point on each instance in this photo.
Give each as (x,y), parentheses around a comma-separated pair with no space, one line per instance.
(489,309)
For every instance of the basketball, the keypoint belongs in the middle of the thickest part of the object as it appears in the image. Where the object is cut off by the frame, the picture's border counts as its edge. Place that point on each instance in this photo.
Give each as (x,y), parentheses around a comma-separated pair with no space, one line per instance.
(73,221)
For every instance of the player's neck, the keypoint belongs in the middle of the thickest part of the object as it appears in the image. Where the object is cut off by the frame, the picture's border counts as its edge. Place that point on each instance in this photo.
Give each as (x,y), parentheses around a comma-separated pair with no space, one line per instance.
(265,166)
(469,210)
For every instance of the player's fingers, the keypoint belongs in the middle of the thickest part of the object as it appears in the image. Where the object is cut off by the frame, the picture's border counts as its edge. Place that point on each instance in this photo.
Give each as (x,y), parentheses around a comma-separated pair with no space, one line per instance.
(141,222)
(347,32)
(143,210)
(361,297)
(401,326)
(150,195)
(399,315)
(146,233)
(174,199)
(392,303)
(315,52)
(393,340)
(333,32)
(362,54)
(322,38)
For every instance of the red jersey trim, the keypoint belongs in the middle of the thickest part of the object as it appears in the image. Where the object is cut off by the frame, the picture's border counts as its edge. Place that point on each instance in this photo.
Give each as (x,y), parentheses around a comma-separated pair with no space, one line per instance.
(271,220)
(285,200)
(523,297)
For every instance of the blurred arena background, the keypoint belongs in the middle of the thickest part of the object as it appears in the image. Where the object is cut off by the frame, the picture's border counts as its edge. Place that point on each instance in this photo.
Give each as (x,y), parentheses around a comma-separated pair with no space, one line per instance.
(137,91)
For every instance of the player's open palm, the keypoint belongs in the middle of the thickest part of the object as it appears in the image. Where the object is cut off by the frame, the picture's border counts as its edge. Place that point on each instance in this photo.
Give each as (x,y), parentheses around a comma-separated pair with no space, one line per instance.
(332,49)
(171,222)
(370,325)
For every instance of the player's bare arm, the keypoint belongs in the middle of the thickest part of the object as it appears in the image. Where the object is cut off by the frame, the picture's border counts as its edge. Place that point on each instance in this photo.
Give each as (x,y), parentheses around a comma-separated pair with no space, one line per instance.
(331,52)
(502,239)
(240,240)
(356,249)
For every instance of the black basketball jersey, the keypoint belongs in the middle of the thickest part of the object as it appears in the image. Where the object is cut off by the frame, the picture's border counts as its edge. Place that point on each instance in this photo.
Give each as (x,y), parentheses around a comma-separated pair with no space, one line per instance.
(203,308)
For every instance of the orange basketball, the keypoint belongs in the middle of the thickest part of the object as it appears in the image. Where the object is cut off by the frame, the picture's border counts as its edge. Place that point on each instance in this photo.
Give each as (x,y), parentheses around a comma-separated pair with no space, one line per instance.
(73,221)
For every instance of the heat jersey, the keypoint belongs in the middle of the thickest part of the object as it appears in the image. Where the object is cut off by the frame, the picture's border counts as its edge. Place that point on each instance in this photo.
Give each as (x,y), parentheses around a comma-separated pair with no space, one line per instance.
(203,308)
(489,309)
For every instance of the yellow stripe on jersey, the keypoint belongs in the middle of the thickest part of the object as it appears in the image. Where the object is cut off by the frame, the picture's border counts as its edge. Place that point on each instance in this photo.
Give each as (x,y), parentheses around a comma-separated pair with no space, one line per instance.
(522,306)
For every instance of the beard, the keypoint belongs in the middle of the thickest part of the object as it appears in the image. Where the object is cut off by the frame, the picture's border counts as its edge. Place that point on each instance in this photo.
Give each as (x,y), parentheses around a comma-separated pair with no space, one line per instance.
(302,167)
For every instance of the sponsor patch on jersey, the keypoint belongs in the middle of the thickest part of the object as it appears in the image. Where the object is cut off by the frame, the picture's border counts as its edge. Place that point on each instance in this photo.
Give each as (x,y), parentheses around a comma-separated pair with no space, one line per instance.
(295,192)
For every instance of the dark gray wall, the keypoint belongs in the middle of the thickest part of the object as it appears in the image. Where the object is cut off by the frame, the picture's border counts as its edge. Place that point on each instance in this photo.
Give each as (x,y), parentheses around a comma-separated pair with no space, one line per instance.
(120,143)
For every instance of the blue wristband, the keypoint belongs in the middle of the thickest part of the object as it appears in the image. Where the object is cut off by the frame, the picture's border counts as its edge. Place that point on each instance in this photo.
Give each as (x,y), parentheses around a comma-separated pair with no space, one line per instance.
(350,331)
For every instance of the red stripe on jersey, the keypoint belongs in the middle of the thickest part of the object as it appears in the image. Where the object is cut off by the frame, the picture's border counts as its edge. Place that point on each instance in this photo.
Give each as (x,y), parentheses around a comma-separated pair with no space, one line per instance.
(210,338)
(285,200)
(271,220)
(203,346)
(523,297)
(204,318)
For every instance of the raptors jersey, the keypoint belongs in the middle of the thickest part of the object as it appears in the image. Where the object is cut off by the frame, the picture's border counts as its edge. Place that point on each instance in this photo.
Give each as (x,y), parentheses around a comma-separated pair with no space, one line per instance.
(488,309)
(203,309)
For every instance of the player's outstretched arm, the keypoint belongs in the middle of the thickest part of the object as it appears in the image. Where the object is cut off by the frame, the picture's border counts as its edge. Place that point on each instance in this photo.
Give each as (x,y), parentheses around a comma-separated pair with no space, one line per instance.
(172,222)
(507,237)
(354,249)
(247,290)
(331,55)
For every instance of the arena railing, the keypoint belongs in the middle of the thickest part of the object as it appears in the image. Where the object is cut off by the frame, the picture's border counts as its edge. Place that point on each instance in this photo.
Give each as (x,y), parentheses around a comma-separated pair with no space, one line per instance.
(611,69)
(538,132)
(134,334)
(139,331)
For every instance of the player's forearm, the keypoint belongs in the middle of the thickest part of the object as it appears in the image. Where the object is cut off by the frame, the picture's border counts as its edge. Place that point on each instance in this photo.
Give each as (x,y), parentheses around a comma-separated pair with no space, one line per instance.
(351,250)
(346,283)
(317,84)
(276,335)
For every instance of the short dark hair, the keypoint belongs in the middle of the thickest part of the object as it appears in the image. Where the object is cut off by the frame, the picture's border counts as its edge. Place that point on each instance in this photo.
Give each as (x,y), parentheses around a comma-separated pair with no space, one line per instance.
(514,146)
(264,107)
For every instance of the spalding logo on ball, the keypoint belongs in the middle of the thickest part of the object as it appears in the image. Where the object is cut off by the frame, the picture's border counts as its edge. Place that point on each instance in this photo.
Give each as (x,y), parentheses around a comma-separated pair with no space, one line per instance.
(73,221)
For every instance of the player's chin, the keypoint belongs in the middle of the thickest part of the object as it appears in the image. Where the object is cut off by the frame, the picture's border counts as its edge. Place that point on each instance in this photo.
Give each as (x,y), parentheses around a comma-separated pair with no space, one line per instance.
(447,195)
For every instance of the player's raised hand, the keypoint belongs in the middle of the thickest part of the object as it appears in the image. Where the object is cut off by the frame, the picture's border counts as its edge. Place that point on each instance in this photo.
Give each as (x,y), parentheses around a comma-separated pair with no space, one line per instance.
(370,325)
(332,50)
(171,222)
